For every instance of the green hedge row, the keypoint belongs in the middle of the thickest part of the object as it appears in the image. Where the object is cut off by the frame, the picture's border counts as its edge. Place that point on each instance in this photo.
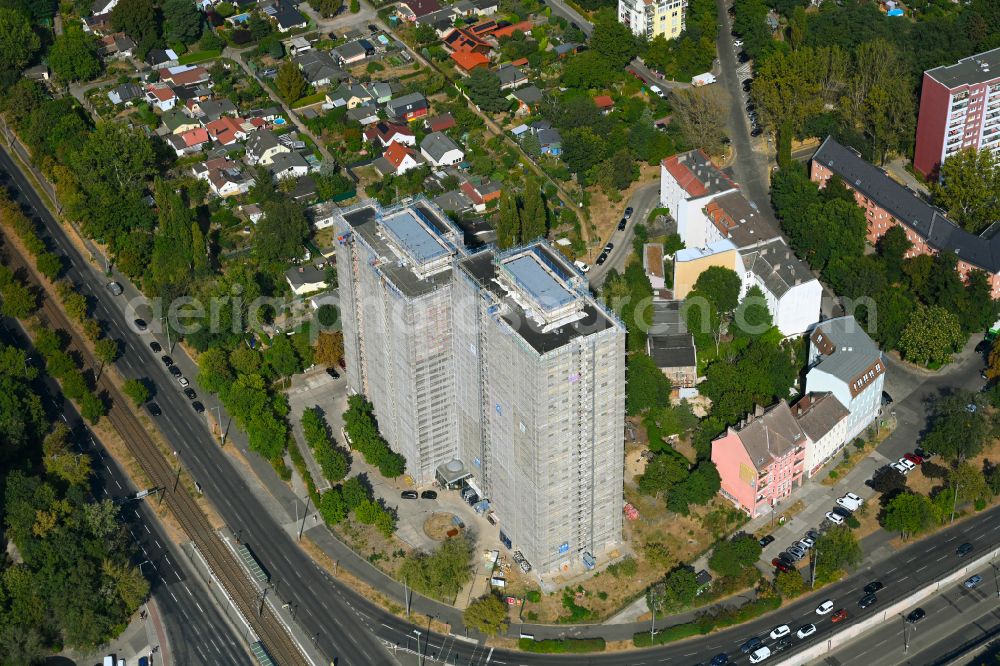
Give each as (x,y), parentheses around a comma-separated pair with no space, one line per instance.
(707,622)
(557,645)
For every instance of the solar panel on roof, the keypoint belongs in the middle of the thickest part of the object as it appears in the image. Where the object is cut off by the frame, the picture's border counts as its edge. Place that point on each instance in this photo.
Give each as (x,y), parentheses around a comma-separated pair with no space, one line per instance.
(538,282)
(414,237)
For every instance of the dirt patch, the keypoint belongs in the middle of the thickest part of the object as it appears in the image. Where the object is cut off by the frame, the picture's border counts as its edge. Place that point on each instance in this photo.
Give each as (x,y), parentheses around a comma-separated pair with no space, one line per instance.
(439,525)
(604,213)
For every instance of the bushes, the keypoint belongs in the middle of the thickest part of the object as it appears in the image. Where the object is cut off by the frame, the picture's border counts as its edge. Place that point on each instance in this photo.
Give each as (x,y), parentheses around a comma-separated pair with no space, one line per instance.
(331,459)
(562,645)
(627,568)
(706,622)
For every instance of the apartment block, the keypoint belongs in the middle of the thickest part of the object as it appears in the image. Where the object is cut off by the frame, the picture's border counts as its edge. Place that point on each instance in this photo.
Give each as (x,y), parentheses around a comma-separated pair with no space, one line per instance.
(688,182)
(959,108)
(651,18)
(887,204)
(493,370)
(541,402)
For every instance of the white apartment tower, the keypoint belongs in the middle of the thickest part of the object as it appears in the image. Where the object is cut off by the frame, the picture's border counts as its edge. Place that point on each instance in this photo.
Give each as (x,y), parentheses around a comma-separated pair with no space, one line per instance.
(499,364)
(649,18)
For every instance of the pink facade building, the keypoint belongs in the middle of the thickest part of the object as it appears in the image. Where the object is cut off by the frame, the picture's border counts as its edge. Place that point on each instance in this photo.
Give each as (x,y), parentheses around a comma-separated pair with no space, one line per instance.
(763,461)
(959,108)
(887,204)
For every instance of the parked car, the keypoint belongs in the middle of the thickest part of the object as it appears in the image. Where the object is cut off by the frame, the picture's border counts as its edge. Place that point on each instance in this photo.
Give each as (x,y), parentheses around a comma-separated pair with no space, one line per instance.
(839,616)
(333,372)
(964,549)
(907,463)
(609,247)
(824,607)
(781,566)
(167,361)
(115,288)
(472,499)
(756,131)
(834,518)
(916,615)
(913,458)
(621,224)
(780,631)
(175,371)
(973,581)
(189,392)
(867,600)
(902,469)
(808,541)
(140,325)
(628,212)
(924,454)
(409,494)
(765,540)
(751,645)
(155,346)
(153,408)
(182,380)
(806,630)
(796,552)
(803,546)
(428,494)
(198,407)
(873,587)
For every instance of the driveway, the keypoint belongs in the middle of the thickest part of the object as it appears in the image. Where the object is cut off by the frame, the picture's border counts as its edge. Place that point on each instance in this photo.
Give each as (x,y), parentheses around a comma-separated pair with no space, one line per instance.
(644,200)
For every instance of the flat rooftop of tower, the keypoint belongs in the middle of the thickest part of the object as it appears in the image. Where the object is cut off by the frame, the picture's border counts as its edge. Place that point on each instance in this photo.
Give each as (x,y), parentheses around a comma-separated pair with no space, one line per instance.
(589,317)
(414,243)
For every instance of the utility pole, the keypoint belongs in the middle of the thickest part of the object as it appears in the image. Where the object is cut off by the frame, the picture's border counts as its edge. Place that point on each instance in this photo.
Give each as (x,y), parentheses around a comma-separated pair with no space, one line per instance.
(815,558)
(166,327)
(906,644)
(218,420)
(406,597)
(954,503)
(420,655)
(652,623)
(263,595)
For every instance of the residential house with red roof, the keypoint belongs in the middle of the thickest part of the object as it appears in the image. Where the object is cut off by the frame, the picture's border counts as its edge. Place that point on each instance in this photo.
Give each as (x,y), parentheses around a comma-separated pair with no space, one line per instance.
(191,141)
(398,159)
(439,123)
(385,133)
(411,10)
(184,75)
(161,96)
(463,40)
(468,61)
(604,104)
(509,30)
(227,130)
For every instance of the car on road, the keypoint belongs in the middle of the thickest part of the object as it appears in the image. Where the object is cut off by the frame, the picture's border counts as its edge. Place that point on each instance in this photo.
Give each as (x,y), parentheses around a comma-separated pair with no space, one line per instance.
(189,392)
(155,346)
(198,407)
(628,212)
(140,325)
(973,581)
(839,615)
(824,607)
(914,458)
(778,646)
(806,630)
(428,494)
(175,371)
(751,645)
(867,600)
(759,655)
(115,288)
(409,494)
(834,518)
(601,258)
(780,631)
(765,540)
(916,615)
(621,224)
(964,549)
(183,381)
(720,660)
(153,408)
(609,247)
(167,361)
(873,587)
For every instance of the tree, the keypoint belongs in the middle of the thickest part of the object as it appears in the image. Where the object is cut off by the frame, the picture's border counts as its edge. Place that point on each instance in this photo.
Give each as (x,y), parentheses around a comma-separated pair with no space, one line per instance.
(908,514)
(731,557)
(73,56)
(663,472)
(701,116)
(752,317)
(92,407)
(877,96)
(17,301)
(329,348)
(837,549)
(970,483)
(140,20)
(214,371)
(280,235)
(355,6)
(137,390)
(332,506)
(721,286)
(488,615)
(957,431)
(647,386)
(789,584)
(786,87)
(508,221)
(969,188)
(932,335)
(483,87)
(442,573)
(533,213)
(282,358)
(613,41)
(106,350)
(290,83)
(182,22)
(18,42)
(892,247)
(50,265)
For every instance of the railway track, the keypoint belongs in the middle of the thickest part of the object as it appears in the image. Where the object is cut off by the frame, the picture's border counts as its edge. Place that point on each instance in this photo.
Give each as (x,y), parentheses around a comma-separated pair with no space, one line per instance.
(227,569)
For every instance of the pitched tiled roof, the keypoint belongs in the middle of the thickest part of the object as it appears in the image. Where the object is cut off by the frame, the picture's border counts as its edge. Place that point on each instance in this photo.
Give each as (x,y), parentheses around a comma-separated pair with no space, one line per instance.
(696,174)
(469,60)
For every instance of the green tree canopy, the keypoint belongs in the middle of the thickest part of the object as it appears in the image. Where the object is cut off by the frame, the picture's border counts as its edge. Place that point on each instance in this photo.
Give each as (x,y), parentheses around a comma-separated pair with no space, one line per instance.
(290,83)
(442,573)
(18,42)
(969,188)
(731,557)
(647,386)
(73,56)
(932,335)
(487,615)
(182,22)
(909,514)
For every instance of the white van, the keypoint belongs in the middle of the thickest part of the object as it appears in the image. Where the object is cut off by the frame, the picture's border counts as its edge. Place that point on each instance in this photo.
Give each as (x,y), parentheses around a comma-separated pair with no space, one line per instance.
(656,91)
(760,654)
(582,266)
(109,660)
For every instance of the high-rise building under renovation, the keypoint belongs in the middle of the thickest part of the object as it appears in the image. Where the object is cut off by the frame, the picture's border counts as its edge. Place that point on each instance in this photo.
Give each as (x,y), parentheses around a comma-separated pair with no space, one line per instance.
(495,369)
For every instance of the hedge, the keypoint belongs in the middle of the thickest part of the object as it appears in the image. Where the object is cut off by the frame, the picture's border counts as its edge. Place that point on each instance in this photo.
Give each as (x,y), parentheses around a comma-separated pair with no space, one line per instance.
(707,622)
(569,645)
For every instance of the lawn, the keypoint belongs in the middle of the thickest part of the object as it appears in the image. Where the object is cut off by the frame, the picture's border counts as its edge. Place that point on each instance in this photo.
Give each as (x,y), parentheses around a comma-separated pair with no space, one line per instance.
(309,100)
(198,56)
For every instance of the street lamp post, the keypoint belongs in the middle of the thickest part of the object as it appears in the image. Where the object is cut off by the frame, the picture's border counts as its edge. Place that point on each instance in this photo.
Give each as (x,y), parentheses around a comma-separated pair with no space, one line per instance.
(815,558)
(218,420)
(906,644)
(420,655)
(954,503)
(166,327)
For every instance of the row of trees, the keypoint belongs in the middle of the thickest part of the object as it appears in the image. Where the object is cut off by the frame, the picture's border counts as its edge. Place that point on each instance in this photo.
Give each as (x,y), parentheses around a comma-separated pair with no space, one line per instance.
(331,458)
(355,495)
(522,217)
(363,435)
